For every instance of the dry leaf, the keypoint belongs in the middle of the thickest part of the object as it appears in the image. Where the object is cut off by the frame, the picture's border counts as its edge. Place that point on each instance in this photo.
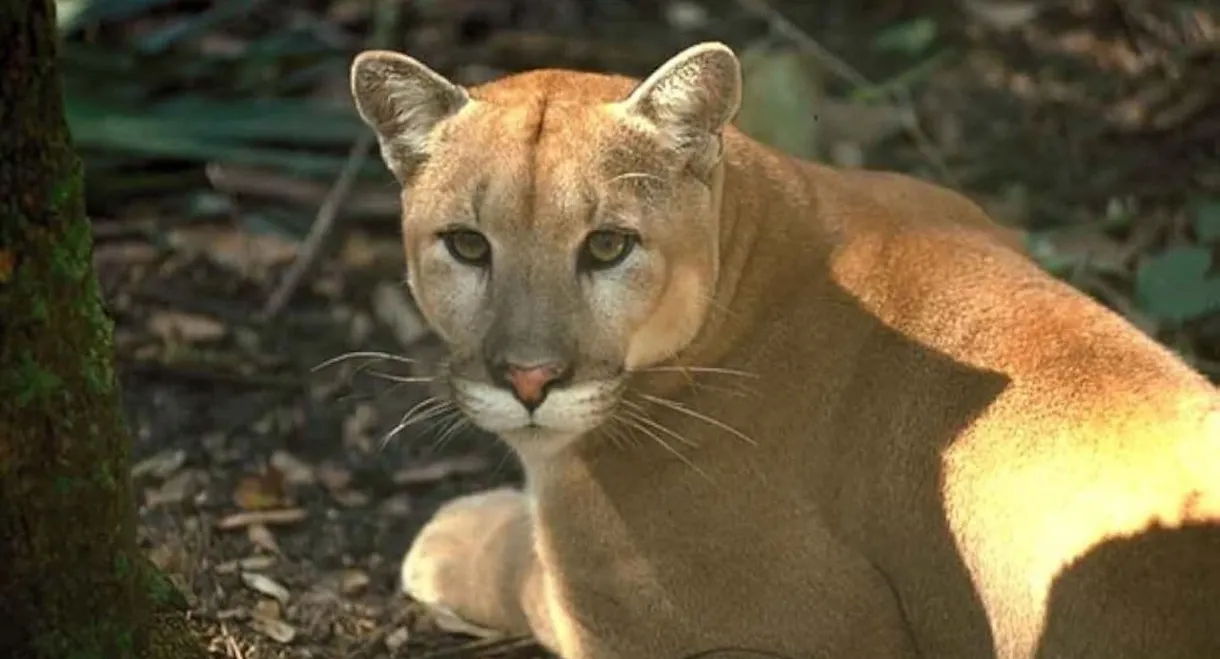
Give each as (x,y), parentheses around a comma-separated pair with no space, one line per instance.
(260,536)
(177,489)
(295,470)
(359,329)
(350,498)
(277,630)
(248,564)
(356,428)
(334,477)
(353,581)
(242,520)
(397,638)
(171,326)
(259,492)
(159,466)
(233,613)
(267,608)
(686,16)
(265,585)
(440,470)
(169,557)
(1002,14)
(396,506)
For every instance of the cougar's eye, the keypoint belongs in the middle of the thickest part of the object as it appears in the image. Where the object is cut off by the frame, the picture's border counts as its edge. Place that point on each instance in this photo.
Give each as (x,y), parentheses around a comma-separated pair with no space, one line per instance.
(606,248)
(469,247)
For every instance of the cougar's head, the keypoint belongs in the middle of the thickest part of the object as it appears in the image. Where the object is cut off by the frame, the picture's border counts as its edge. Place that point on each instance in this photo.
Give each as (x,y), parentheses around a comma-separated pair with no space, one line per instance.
(560,228)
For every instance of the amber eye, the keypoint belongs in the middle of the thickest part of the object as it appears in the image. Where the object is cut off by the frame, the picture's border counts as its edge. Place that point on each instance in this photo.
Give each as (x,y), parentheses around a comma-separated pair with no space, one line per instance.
(469,247)
(607,248)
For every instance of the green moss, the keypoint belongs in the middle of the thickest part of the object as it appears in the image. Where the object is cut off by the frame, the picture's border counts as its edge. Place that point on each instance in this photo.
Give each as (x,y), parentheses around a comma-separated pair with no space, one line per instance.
(162,591)
(68,191)
(70,256)
(65,486)
(29,382)
(122,566)
(38,310)
(105,478)
(97,368)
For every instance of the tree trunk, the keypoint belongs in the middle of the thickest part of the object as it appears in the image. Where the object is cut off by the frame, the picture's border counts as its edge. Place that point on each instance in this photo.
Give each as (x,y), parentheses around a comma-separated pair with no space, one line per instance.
(72,580)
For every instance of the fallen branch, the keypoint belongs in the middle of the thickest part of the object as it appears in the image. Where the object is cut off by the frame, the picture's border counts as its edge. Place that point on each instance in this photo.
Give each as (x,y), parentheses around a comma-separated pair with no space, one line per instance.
(321,233)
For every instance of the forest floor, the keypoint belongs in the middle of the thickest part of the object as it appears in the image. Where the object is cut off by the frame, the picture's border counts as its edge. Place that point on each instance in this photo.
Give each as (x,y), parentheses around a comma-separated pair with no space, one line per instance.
(267,488)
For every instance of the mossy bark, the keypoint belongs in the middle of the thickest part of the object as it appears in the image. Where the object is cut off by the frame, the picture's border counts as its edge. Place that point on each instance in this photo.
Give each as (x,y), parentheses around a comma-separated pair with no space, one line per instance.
(73,583)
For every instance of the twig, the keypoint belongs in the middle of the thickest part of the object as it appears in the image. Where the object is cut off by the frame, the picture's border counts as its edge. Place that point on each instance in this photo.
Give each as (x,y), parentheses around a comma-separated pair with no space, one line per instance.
(834,64)
(787,28)
(278,516)
(486,645)
(320,232)
(386,18)
(370,643)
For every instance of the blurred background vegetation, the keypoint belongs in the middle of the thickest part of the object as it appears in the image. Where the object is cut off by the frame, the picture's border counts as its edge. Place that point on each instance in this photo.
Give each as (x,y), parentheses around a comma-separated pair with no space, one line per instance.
(1095,124)
(245,231)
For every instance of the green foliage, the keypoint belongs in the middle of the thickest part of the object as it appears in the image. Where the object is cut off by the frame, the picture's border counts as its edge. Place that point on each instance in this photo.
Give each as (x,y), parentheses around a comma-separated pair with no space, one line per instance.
(1175,285)
(130,103)
(1207,220)
(75,14)
(163,591)
(911,38)
(781,93)
(29,382)
(203,130)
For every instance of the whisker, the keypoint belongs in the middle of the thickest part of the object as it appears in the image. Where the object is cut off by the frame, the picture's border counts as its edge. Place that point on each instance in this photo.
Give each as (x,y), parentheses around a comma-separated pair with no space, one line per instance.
(644,418)
(720,306)
(425,409)
(367,354)
(665,445)
(438,420)
(677,407)
(696,369)
(618,432)
(506,452)
(456,425)
(357,395)
(429,402)
(405,379)
(731,391)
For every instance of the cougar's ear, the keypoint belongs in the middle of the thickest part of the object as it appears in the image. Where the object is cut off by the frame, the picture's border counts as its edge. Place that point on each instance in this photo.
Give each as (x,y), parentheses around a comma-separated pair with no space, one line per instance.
(402,101)
(690,99)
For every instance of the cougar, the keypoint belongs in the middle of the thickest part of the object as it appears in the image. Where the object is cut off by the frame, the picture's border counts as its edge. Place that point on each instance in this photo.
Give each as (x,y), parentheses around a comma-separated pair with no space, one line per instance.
(766,407)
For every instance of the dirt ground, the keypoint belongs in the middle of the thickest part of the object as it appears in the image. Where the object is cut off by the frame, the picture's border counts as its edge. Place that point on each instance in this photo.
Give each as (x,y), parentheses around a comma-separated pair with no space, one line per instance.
(281,497)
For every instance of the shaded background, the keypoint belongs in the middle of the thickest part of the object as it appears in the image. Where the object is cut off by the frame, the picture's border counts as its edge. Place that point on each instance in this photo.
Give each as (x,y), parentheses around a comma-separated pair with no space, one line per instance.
(218,134)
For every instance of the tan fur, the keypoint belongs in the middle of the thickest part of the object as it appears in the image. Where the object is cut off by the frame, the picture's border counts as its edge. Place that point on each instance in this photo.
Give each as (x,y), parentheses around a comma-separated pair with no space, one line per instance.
(816,413)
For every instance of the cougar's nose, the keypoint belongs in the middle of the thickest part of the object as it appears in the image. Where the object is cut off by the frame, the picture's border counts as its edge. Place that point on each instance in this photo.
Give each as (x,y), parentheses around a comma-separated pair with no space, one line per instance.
(531,383)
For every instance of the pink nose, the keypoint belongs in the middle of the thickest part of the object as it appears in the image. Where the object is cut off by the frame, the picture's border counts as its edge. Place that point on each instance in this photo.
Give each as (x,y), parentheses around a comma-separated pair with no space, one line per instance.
(529,383)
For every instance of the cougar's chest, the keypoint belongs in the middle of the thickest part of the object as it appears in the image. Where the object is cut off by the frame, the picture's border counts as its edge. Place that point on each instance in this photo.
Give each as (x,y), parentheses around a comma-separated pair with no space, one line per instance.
(657,559)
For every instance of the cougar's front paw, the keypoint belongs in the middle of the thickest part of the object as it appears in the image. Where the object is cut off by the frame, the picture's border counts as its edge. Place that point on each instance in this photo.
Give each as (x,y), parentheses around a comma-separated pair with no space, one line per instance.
(455,564)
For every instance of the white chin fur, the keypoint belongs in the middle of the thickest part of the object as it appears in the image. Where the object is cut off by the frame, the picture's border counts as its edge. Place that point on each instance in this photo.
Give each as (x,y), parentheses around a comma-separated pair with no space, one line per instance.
(568,411)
